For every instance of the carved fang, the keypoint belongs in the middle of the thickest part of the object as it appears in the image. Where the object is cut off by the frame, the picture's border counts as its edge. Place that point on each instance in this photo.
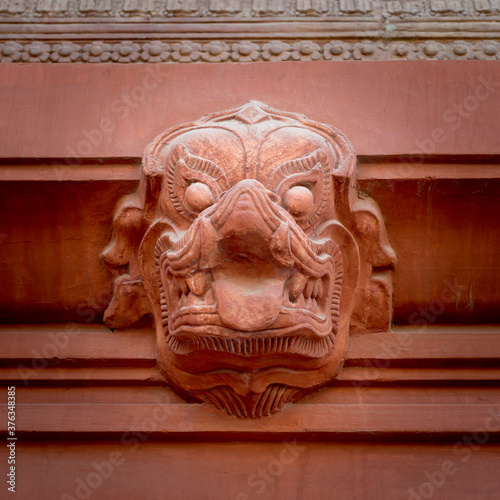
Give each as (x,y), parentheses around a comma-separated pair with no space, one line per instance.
(297,284)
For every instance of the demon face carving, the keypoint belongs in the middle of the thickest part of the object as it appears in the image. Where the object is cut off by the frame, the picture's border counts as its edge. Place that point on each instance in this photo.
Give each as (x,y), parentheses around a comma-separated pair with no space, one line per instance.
(248,242)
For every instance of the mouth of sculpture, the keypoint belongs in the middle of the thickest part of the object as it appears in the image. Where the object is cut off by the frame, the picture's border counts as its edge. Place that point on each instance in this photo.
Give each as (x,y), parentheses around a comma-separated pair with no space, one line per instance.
(247,282)
(302,325)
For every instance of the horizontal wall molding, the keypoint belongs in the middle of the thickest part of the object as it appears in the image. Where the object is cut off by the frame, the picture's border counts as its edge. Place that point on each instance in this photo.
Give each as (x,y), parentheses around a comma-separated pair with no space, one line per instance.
(214,49)
(51,352)
(425,422)
(82,379)
(139,31)
(369,168)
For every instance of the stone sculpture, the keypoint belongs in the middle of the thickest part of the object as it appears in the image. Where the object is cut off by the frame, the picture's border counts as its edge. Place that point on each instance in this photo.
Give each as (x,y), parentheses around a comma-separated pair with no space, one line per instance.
(249,243)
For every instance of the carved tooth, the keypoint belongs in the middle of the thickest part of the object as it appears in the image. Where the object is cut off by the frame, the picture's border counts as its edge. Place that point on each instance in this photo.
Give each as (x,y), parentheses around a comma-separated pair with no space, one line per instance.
(297,284)
(309,288)
(182,301)
(197,283)
(323,290)
(181,283)
(301,302)
(316,289)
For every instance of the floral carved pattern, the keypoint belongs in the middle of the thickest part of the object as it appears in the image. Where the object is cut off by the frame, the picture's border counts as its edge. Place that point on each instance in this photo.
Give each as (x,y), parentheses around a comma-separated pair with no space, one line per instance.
(243,51)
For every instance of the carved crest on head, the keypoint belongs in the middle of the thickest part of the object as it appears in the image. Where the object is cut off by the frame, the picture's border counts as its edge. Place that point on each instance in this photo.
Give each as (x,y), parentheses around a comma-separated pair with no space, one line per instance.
(249,244)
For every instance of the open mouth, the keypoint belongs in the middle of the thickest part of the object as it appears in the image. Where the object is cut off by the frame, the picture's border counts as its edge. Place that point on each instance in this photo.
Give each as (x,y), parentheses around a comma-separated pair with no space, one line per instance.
(249,282)
(194,295)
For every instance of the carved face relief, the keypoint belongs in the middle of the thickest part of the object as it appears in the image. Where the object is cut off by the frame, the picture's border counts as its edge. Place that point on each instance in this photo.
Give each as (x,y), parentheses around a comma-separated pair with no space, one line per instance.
(254,250)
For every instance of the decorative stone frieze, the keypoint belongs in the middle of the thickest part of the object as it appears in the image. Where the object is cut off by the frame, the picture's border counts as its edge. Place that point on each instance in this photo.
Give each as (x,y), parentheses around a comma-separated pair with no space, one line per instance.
(157,9)
(249,30)
(185,51)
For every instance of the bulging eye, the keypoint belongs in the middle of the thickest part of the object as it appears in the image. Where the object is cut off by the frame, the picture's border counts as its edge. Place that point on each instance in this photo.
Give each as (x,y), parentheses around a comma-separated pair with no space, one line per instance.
(198,196)
(298,200)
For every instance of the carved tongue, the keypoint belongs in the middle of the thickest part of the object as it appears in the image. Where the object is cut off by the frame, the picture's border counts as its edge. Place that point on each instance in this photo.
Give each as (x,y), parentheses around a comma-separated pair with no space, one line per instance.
(248,304)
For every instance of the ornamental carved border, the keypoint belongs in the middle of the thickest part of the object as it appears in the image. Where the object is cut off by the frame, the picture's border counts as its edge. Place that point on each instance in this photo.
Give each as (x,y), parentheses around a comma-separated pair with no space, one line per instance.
(201,31)
(257,256)
(246,8)
(183,51)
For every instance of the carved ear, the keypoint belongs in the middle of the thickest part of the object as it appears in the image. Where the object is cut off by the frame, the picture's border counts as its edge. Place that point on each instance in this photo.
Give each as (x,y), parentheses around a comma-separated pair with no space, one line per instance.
(128,230)
(371,229)
(373,309)
(148,257)
(129,303)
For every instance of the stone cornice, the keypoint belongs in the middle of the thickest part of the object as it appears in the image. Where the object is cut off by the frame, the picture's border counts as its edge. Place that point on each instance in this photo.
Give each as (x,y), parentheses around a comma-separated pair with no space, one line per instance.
(247,30)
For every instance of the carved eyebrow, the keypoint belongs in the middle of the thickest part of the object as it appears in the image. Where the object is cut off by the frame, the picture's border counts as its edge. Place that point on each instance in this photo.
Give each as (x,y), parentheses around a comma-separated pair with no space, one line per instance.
(197,164)
(303,165)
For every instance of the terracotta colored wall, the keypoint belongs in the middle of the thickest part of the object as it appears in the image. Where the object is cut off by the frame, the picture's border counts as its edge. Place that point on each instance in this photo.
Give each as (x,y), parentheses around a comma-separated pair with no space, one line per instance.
(266,470)
(385,108)
(406,403)
(427,135)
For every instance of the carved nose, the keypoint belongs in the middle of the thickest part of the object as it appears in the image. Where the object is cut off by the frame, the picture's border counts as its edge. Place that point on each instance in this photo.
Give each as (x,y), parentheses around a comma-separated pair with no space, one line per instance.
(249,285)
(246,211)
(251,194)
(250,185)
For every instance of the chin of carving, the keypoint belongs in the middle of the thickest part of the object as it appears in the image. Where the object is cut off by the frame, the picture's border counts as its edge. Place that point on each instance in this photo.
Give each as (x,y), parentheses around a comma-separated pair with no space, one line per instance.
(249,244)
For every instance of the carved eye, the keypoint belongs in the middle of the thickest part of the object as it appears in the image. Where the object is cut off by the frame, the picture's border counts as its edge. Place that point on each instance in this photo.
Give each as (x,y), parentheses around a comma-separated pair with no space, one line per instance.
(194,183)
(198,196)
(298,200)
(303,185)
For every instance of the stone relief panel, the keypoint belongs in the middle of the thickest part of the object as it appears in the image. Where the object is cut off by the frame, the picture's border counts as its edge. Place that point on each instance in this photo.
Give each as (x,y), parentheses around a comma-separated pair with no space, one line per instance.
(256,255)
